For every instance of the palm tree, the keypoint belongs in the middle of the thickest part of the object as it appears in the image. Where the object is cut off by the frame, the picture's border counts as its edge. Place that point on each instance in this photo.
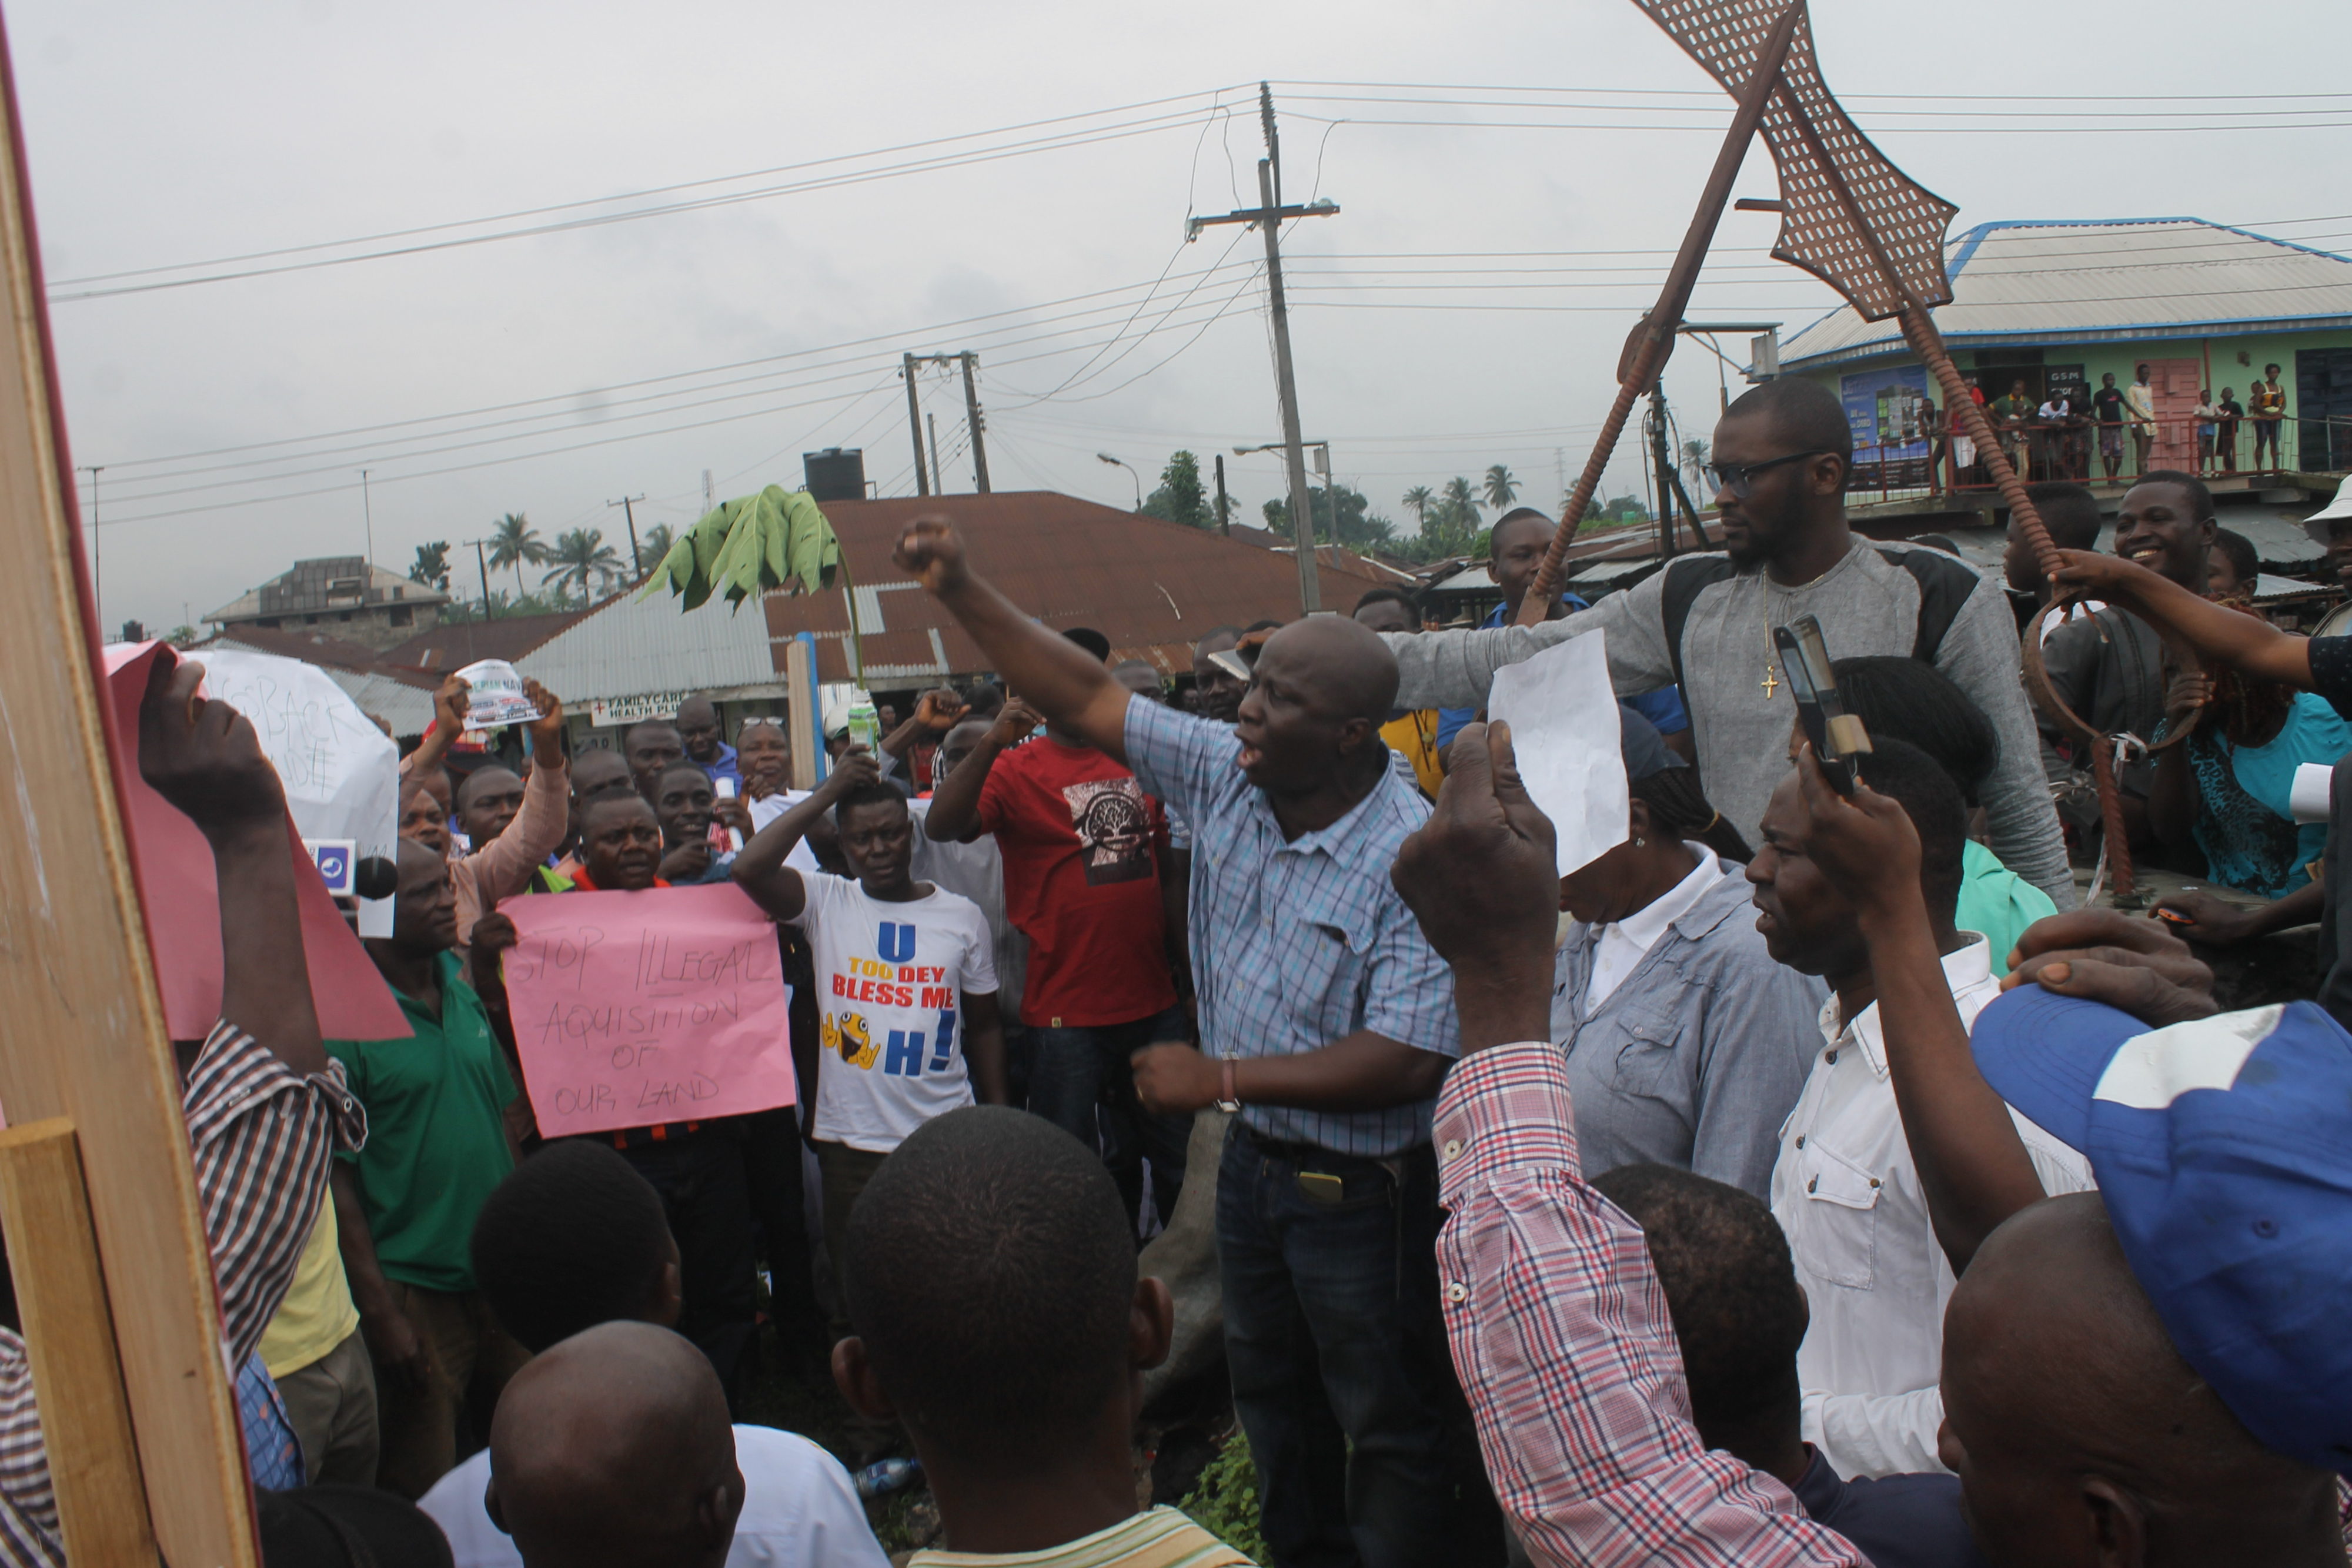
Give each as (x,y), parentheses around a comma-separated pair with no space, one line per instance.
(655,549)
(432,564)
(1501,488)
(1694,456)
(515,543)
(578,556)
(1461,504)
(1418,500)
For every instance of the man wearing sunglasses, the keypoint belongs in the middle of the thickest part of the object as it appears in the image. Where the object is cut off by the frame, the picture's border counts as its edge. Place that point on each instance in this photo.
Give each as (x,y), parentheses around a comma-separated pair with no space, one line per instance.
(1704,623)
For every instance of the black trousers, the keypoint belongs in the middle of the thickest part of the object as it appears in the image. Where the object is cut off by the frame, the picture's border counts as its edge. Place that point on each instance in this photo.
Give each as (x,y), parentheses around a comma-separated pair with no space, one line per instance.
(704,1194)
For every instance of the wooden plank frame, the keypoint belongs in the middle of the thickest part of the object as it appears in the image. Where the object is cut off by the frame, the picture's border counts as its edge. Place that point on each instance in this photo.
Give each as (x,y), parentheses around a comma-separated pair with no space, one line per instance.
(86,1039)
(62,1293)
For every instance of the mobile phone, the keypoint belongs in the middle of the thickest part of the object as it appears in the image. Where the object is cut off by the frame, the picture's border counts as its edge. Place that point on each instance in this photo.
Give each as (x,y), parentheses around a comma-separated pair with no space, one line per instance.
(1838,736)
(1232,663)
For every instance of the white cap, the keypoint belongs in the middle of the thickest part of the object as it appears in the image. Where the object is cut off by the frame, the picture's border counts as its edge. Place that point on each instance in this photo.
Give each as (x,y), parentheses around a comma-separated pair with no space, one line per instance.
(2337,511)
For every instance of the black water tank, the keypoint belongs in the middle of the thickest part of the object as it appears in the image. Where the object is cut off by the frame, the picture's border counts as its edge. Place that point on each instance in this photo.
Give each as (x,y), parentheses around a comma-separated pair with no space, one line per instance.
(835,475)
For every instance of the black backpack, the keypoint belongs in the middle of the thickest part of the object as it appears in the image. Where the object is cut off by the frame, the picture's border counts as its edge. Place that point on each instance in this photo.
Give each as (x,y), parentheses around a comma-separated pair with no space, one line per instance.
(1945,585)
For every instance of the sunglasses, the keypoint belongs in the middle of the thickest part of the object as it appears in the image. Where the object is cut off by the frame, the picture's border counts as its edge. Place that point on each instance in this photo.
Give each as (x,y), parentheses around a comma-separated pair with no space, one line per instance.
(1739,477)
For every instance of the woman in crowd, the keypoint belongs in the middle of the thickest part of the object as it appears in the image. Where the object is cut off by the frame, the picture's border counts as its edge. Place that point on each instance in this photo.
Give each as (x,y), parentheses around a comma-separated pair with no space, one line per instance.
(2224,789)
(2230,566)
(1909,699)
(1686,1044)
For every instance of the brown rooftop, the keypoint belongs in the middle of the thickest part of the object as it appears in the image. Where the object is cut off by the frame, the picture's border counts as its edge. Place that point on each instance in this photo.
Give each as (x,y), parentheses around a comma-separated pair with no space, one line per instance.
(452,645)
(1153,588)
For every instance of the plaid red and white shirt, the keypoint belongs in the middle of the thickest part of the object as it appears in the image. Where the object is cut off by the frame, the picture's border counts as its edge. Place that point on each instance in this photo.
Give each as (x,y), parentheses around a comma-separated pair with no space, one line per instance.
(263,1139)
(1564,1345)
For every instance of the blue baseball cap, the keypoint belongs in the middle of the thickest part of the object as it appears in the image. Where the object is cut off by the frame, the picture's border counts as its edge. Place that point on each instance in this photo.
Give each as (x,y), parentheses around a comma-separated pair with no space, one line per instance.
(2223,1151)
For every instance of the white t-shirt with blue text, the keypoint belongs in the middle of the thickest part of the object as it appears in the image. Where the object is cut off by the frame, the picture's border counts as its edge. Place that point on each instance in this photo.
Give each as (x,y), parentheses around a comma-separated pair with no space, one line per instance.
(890,984)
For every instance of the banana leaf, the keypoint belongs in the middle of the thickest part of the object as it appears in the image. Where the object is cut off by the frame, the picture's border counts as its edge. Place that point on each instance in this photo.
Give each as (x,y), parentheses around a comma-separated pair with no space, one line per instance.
(778,538)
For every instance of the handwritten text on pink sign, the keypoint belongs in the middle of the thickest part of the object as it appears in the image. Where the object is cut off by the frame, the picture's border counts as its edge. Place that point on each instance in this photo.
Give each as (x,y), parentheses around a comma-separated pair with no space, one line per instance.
(633,1008)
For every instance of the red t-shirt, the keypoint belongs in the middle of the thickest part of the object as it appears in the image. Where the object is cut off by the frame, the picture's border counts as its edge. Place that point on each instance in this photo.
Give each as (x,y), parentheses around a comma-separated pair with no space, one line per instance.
(1082,882)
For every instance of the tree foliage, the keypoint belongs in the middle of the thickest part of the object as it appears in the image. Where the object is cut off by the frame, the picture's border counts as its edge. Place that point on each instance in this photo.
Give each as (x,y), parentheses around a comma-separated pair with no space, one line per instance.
(1501,488)
(1358,525)
(431,566)
(580,558)
(515,543)
(1180,497)
(504,604)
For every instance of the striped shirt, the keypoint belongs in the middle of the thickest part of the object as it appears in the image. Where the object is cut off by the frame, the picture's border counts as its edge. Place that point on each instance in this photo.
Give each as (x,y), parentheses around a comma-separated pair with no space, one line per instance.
(262,1138)
(1297,943)
(1566,1349)
(1157,1538)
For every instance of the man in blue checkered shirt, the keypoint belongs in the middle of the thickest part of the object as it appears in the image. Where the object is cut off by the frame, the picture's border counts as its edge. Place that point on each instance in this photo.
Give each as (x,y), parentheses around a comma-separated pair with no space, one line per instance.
(1327,1020)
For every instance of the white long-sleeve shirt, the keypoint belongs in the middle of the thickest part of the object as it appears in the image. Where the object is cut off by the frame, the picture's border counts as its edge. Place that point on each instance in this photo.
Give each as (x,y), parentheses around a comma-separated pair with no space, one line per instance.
(1847,1192)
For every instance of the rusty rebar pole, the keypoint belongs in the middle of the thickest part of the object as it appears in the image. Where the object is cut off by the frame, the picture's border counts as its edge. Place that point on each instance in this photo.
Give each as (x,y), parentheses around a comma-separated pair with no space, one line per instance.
(1653,339)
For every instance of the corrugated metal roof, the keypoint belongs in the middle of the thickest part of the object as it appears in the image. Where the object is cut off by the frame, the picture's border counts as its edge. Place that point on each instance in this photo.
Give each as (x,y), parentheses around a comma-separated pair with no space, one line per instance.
(1153,588)
(2086,282)
(452,644)
(624,648)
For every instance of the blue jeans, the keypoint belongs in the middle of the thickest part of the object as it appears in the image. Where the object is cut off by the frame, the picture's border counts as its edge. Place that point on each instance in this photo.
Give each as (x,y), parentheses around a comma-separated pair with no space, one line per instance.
(1072,1071)
(1341,1377)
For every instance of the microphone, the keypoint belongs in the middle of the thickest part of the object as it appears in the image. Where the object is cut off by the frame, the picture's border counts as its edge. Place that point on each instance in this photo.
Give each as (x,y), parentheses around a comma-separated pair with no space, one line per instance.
(375,877)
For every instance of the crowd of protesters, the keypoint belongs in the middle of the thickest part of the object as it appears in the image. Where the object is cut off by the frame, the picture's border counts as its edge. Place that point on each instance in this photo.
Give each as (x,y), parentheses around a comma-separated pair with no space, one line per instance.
(1807,1179)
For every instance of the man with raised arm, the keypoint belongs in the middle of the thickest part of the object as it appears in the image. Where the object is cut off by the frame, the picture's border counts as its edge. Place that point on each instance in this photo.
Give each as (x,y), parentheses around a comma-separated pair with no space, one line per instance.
(266,1108)
(1323,1019)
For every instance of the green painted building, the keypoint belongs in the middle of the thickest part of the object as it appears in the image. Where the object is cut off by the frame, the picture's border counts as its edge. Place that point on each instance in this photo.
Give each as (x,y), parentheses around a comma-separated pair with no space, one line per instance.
(2058,305)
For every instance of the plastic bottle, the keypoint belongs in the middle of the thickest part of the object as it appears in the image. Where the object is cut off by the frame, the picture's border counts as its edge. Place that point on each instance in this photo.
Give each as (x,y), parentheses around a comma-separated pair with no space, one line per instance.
(884,1477)
(865,723)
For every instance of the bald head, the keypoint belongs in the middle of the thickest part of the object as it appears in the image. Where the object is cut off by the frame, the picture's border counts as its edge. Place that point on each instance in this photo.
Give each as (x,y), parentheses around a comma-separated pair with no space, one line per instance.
(2070,1417)
(1341,665)
(614,1448)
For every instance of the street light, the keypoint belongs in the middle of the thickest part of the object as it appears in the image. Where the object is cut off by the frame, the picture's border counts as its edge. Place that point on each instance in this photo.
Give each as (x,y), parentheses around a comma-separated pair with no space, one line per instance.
(1107,457)
(1322,450)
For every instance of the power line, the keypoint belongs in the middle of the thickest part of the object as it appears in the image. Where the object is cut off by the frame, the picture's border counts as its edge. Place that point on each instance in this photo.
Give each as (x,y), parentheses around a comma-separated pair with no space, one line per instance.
(492,462)
(572,398)
(1057,141)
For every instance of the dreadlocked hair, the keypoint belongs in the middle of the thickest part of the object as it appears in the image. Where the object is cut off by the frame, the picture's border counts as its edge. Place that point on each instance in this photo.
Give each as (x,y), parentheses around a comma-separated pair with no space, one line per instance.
(2249,711)
(1677,808)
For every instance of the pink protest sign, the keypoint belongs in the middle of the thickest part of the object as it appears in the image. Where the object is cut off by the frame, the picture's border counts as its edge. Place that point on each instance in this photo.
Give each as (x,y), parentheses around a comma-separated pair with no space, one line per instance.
(181,900)
(632,1009)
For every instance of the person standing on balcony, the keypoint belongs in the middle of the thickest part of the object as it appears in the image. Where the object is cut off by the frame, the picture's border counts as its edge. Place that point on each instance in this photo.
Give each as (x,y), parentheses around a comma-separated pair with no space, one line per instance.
(2225,439)
(2107,409)
(2141,402)
(2269,409)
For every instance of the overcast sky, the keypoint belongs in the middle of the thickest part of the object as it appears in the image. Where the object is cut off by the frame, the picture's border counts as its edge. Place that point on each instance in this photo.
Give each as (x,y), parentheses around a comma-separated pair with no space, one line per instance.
(551,373)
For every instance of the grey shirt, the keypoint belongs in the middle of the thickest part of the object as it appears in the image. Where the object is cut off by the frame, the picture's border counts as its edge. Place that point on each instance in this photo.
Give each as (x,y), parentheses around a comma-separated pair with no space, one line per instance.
(1868,603)
(1697,1056)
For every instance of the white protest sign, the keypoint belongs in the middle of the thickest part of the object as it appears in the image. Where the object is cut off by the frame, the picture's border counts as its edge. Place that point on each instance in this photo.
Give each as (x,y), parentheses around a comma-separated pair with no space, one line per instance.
(1565,734)
(340,772)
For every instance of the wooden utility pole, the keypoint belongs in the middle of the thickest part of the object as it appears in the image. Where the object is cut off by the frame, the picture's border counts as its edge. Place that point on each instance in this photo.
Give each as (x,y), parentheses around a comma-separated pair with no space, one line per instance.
(972,420)
(914,426)
(1268,215)
(637,558)
(932,420)
(1224,519)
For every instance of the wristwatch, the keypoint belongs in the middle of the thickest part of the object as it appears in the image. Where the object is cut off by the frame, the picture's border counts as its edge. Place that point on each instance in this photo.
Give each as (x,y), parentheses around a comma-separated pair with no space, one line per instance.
(1231,1100)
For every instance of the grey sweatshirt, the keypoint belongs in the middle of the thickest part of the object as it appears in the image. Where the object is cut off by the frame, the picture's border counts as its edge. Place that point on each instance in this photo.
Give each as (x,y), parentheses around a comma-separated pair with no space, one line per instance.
(1868,604)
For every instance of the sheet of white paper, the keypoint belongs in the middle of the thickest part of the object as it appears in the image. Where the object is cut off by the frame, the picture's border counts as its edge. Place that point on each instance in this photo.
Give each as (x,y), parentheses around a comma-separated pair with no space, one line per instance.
(1565,734)
(2313,792)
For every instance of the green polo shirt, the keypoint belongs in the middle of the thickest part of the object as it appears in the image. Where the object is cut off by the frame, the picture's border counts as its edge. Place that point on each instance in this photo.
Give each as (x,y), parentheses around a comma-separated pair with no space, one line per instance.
(437,1135)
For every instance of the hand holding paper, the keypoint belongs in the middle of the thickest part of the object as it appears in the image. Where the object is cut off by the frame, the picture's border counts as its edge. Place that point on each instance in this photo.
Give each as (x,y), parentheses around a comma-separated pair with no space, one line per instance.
(1565,735)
